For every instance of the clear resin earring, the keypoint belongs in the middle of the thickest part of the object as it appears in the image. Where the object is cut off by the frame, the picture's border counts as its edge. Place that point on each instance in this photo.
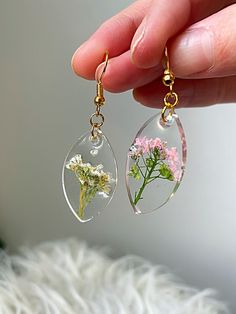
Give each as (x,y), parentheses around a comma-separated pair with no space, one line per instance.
(156,158)
(89,175)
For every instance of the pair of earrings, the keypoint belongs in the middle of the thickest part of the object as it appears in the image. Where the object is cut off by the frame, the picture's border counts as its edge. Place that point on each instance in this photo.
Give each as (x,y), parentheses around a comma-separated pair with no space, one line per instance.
(155,160)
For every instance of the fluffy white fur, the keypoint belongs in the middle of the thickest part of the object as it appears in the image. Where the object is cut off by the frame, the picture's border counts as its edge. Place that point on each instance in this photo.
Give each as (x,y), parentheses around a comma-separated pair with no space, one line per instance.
(67,277)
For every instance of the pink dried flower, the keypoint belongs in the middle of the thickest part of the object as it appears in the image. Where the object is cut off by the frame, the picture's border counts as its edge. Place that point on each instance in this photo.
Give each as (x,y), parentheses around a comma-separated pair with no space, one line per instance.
(172,158)
(145,144)
(172,154)
(140,141)
(156,143)
(157,161)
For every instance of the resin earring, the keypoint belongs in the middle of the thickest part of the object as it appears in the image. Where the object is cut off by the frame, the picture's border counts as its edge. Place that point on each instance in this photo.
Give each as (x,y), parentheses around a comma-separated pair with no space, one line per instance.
(156,158)
(89,173)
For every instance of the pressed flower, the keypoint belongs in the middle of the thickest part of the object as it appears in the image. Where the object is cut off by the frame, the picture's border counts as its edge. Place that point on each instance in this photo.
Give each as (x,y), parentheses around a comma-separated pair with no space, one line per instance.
(92,180)
(153,160)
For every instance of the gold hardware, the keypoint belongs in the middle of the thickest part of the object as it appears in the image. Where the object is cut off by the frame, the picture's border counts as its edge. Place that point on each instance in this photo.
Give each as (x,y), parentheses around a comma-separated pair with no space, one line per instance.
(99,124)
(171,99)
(168,78)
(99,101)
(105,67)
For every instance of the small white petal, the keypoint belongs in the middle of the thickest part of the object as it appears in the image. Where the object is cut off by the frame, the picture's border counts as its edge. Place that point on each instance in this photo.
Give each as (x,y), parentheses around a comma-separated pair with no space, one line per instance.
(99,167)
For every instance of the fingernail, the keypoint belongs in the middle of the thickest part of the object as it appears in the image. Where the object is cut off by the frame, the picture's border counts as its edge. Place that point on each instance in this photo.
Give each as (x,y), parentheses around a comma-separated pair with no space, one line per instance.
(100,69)
(137,39)
(193,52)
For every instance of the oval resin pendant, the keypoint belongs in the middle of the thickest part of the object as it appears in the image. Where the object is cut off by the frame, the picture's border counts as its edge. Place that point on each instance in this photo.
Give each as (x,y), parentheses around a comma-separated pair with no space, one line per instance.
(89,176)
(155,163)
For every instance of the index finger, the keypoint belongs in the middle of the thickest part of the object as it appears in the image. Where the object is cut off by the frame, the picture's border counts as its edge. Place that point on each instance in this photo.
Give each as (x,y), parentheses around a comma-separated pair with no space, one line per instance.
(114,36)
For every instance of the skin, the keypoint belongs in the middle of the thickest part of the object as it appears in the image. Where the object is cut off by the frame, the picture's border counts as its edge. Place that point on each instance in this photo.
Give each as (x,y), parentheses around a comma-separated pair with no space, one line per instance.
(200,35)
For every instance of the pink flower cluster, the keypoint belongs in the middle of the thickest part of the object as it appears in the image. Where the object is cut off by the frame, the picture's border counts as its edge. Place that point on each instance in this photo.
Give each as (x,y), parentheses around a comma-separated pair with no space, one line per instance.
(143,145)
(173,161)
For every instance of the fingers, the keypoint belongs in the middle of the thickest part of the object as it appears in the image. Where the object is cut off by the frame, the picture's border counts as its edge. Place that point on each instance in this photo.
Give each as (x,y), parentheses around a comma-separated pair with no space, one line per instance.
(122,74)
(207,48)
(192,93)
(161,22)
(114,35)
(164,21)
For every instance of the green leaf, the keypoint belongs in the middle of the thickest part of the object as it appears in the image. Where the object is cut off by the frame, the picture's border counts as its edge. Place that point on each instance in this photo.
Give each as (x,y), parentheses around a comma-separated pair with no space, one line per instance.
(134,172)
(166,172)
(149,162)
(156,153)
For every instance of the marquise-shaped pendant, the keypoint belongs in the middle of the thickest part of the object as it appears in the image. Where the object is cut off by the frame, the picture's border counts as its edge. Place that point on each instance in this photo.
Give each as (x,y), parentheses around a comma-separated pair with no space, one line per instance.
(89,176)
(155,163)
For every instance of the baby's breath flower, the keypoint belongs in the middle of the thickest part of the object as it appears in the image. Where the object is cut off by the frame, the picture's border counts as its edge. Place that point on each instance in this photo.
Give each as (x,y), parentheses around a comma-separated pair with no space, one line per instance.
(92,179)
(74,162)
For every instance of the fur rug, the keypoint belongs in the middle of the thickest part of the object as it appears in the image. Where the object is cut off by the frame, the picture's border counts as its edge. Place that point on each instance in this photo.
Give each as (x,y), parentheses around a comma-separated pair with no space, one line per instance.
(67,277)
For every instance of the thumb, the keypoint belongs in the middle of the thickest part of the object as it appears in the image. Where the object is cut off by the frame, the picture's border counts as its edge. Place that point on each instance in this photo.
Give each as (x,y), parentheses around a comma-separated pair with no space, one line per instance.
(207,48)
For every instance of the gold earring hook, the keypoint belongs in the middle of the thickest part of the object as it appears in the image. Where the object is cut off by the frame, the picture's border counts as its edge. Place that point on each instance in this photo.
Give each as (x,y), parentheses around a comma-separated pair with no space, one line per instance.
(97,119)
(99,99)
(104,68)
(171,99)
(168,78)
(167,61)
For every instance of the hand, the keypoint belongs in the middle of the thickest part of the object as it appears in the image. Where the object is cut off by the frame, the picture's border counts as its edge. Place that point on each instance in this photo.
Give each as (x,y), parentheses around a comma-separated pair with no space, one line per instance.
(201,37)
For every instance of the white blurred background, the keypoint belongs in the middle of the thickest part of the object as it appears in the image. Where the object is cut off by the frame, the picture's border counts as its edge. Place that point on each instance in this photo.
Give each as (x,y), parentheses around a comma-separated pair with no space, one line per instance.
(44,107)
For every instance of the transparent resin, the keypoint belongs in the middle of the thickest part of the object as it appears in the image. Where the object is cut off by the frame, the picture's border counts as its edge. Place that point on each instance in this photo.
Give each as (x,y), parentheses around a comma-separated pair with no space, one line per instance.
(89,176)
(155,163)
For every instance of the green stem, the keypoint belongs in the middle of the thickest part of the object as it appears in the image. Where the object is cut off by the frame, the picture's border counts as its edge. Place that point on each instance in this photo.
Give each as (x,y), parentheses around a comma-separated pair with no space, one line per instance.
(145,182)
(139,195)
(139,168)
(81,201)
(145,165)
(157,177)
